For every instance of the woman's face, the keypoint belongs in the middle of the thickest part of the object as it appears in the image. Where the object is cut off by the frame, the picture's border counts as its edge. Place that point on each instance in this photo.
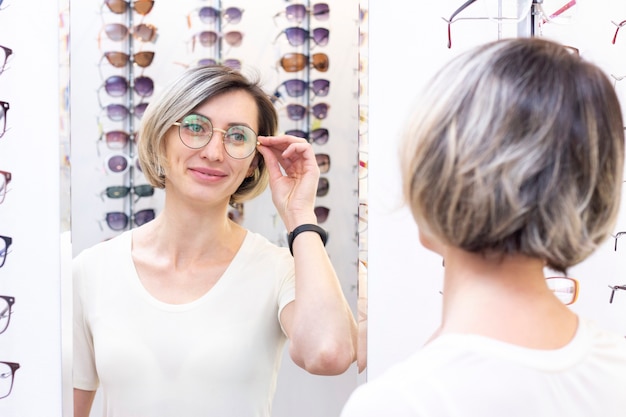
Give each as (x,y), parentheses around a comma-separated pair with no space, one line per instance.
(209,174)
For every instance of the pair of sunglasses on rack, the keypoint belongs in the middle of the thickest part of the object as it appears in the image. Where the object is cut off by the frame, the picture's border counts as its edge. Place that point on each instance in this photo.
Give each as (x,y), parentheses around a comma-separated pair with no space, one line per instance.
(209,38)
(5,244)
(229,62)
(297,36)
(196,131)
(210,15)
(121,59)
(6,307)
(117,220)
(121,191)
(117,139)
(117,86)
(142,7)
(118,32)
(298,12)
(297,88)
(295,61)
(5,53)
(120,163)
(298,111)
(5,179)
(119,112)
(4,108)
(318,136)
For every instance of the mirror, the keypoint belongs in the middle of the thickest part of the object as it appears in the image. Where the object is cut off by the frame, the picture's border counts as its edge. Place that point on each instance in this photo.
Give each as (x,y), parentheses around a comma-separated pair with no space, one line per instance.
(176,35)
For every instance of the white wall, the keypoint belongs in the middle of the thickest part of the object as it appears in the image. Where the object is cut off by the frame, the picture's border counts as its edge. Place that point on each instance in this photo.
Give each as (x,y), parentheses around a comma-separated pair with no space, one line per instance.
(408,43)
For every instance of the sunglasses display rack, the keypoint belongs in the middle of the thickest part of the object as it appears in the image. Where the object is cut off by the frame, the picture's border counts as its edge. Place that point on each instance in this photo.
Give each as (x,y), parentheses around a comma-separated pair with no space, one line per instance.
(134,88)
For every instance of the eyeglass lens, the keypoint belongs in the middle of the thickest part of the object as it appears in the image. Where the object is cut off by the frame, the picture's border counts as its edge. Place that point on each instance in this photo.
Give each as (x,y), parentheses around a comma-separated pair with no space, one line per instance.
(323,186)
(118,220)
(5,179)
(5,244)
(321,213)
(4,108)
(323,162)
(6,303)
(7,375)
(4,57)
(196,131)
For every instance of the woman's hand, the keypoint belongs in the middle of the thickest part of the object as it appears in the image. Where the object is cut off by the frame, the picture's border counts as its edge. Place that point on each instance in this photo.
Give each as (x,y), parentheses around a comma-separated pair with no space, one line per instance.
(293,177)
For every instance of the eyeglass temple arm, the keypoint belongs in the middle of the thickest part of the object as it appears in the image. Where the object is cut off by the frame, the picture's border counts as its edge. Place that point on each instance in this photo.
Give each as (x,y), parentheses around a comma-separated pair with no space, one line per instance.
(613,289)
(456,12)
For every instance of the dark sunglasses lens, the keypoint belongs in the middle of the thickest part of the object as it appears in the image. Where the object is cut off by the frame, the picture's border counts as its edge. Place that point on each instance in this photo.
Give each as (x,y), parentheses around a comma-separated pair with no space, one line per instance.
(144,58)
(321,11)
(294,62)
(320,87)
(295,88)
(208,14)
(206,61)
(319,136)
(116,139)
(116,86)
(297,133)
(116,112)
(116,31)
(144,216)
(323,162)
(117,191)
(207,38)
(144,86)
(117,59)
(296,111)
(116,6)
(321,213)
(233,63)
(145,32)
(320,36)
(143,7)
(320,62)
(296,36)
(322,187)
(117,220)
(233,38)
(117,163)
(144,190)
(233,15)
(320,110)
(140,109)
(295,12)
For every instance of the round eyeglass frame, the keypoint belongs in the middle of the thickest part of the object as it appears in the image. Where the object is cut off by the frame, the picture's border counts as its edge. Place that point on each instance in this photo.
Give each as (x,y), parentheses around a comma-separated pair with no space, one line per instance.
(213,130)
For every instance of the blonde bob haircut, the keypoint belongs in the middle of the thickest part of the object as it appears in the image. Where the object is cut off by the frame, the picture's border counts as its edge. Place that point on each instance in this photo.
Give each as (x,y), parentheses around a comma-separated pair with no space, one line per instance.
(517,147)
(190,90)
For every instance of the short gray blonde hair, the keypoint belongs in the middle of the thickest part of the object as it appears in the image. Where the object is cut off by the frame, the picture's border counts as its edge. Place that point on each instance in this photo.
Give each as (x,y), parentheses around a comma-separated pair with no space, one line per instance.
(517,146)
(190,90)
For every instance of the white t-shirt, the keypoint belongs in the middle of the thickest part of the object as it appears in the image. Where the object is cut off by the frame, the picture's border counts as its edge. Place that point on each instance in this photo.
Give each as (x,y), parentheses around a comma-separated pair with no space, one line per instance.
(216,356)
(473,376)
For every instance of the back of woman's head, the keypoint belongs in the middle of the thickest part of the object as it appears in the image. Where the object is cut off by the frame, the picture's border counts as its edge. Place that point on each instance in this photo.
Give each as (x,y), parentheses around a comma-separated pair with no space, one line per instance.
(517,147)
(191,89)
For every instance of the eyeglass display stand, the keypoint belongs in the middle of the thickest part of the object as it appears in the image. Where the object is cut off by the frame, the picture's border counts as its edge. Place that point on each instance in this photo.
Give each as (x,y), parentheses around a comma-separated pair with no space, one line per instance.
(130,120)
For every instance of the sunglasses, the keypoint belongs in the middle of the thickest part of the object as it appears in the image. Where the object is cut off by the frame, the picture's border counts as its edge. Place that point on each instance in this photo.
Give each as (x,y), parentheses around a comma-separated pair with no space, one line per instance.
(208,38)
(120,191)
(5,53)
(117,220)
(298,111)
(142,7)
(318,136)
(323,186)
(119,112)
(297,12)
(120,163)
(6,305)
(5,244)
(321,213)
(196,131)
(295,61)
(4,108)
(116,139)
(117,86)
(230,63)
(118,32)
(323,162)
(121,59)
(7,372)
(297,36)
(209,15)
(297,88)
(5,179)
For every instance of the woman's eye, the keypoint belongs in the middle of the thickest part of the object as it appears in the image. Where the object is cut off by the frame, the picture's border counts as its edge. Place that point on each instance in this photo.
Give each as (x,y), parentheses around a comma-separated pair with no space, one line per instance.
(195,128)
(236,135)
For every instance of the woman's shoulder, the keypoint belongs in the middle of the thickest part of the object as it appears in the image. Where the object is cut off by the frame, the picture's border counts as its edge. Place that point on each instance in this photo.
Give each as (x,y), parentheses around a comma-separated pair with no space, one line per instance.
(106,250)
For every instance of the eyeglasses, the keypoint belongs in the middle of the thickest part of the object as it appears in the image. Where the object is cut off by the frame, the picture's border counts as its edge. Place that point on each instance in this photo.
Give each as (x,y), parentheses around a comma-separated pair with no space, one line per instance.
(120,163)
(116,139)
(121,59)
(209,38)
(119,112)
(142,7)
(495,10)
(565,288)
(617,236)
(209,14)
(296,36)
(118,220)
(297,88)
(323,186)
(4,56)
(5,244)
(120,191)
(118,32)
(195,132)
(7,375)
(5,179)
(323,162)
(297,12)
(298,111)
(230,62)
(321,213)
(615,288)
(117,86)
(6,304)
(4,108)
(295,61)
(318,136)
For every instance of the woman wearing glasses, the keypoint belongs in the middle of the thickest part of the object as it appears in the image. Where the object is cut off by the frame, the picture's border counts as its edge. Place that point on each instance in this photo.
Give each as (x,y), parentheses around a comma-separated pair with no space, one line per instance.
(511,162)
(188,314)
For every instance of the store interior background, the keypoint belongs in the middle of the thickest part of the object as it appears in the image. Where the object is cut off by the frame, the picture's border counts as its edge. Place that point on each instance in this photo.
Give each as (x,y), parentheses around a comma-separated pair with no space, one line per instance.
(404,45)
